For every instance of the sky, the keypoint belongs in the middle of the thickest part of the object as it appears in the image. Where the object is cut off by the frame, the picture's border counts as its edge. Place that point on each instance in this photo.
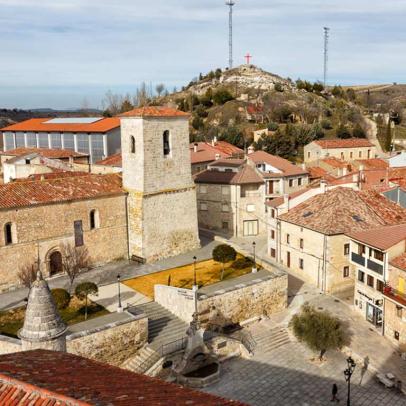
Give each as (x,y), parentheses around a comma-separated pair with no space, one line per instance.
(67,53)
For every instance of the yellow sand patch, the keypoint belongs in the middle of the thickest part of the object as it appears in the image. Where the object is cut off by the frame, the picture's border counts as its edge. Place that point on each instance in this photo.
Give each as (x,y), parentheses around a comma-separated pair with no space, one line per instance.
(207,273)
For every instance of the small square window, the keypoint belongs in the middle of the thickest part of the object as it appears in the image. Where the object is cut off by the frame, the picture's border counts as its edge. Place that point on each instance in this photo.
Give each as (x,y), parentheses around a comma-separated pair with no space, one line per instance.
(273,213)
(224,208)
(346,271)
(301,263)
(287,239)
(290,182)
(301,243)
(273,253)
(370,281)
(225,225)
(299,182)
(272,234)
(361,276)
(399,311)
(346,249)
(396,335)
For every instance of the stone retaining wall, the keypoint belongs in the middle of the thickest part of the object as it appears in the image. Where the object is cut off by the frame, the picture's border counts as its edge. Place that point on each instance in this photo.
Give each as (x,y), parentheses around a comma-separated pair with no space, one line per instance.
(112,343)
(9,345)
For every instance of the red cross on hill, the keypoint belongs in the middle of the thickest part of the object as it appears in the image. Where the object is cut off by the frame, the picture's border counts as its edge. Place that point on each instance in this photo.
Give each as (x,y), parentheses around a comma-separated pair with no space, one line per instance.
(248,57)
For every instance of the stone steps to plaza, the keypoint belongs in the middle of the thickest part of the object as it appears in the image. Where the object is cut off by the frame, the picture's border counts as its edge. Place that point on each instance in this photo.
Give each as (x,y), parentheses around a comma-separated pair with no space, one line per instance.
(269,339)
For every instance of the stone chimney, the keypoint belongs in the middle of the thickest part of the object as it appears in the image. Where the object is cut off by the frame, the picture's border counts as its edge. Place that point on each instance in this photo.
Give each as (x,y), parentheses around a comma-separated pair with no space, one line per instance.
(43,327)
(323,186)
(286,201)
(251,149)
(218,156)
(195,145)
(214,141)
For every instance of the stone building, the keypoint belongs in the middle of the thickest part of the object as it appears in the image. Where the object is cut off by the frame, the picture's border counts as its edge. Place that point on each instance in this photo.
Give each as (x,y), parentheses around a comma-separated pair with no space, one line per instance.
(371,252)
(97,136)
(311,238)
(147,213)
(232,192)
(43,327)
(344,149)
(162,215)
(395,302)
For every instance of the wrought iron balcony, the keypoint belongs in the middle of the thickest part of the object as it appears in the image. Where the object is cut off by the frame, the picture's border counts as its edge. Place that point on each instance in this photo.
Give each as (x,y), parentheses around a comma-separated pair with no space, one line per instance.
(399,297)
(358,259)
(374,266)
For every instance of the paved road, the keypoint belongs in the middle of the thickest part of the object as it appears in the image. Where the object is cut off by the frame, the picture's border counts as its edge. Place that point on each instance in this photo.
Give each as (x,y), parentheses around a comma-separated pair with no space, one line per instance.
(107,274)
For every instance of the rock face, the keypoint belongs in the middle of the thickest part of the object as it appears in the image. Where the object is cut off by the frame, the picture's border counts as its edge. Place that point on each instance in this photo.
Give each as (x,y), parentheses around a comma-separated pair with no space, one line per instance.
(43,327)
(243,77)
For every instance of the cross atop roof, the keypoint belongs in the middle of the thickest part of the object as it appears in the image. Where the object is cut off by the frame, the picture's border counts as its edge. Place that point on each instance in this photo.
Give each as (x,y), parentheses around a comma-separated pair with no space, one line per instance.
(248,57)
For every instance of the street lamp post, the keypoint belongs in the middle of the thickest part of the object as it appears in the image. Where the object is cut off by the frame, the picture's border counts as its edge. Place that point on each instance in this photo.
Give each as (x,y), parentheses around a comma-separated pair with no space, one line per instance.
(347,374)
(119,307)
(195,287)
(254,268)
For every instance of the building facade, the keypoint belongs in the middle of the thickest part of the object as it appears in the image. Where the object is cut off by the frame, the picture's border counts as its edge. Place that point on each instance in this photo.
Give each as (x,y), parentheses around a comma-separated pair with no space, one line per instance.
(98,137)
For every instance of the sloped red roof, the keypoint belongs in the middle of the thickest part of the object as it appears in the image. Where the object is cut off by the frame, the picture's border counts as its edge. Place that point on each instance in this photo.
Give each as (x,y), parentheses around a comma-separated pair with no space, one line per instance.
(155,111)
(344,143)
(93,383)
(373,163)
(44,152)
(399,262)
(382,237)
(112,160)
(36,192)
(245,175)
(343,210)
(282,164)
(40,124)
(206,152)
(335,162)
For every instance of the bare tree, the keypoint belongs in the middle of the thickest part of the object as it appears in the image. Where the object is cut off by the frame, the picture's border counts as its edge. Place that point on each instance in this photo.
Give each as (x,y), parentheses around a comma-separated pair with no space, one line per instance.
(74,260)
(112,102)
(27,274)
(160,88)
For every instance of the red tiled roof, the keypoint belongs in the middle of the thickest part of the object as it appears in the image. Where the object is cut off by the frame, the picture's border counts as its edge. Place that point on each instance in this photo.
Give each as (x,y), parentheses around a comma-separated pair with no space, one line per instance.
(245,175)
(56,174)
(343,210)
(206,152)
(44,152)
(88,186)
(335,162)
(382,237)
(40,124)
(112,160)
(344,143)
(94,383)
(235,163)
(315,172)
(280,200)
(155,111)
(373,163)
(399,262)
(282,164)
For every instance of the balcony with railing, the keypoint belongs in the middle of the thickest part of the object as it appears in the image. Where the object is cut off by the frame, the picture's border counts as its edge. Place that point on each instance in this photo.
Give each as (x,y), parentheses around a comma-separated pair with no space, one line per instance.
(375,266)
(395,295)
(357,258)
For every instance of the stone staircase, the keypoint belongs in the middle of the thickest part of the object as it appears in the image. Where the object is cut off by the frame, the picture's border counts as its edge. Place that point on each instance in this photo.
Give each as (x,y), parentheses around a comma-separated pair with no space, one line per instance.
(268,339)
(166,333)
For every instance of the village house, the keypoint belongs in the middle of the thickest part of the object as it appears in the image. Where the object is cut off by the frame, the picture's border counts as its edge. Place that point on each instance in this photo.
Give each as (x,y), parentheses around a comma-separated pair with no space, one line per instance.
(311,237)
(395,302)
(344,149)
(371,252)
(232,193)
(204,153)
(146,214)
(98,137)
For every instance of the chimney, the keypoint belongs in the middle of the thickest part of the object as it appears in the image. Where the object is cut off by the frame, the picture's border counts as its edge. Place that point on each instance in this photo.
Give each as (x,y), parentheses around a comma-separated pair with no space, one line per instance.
(361,167)
(303,165)
(344,171)
(218,156)
(286,201)
(214,141)
(251,149)
(323,186)
(195,147)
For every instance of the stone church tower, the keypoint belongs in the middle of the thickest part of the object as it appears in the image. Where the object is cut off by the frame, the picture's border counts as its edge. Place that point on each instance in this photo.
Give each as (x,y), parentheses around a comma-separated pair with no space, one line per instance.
(162,208)
(43,327)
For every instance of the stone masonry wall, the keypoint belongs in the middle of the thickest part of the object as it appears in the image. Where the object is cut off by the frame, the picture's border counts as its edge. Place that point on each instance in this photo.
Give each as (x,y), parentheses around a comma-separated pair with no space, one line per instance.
(43,228)
(9,345)
(112,344)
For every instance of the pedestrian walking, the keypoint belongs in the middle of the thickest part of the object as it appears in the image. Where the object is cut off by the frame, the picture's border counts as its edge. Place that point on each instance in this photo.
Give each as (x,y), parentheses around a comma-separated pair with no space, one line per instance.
(334,392)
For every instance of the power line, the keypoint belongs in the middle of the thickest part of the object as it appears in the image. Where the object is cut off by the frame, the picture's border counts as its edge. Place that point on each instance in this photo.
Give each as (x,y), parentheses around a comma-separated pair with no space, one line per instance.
(230,4)
(326,39)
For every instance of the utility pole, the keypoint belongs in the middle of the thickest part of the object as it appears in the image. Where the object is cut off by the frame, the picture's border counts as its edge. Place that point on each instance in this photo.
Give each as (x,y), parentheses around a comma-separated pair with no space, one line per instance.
(326,38)
(230,4)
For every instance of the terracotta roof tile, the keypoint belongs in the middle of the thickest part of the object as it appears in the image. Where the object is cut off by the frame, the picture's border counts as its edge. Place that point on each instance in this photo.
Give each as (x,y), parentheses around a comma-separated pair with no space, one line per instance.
(155,111)
(373,163)
(206,152)
(245,175)
(399,262)
(44,152)
(343,210)
(29,193)
(344,143)
(335,162)
(282,164)
(95,383)
(112,160)
(40,124)
(382,237)
(234,163)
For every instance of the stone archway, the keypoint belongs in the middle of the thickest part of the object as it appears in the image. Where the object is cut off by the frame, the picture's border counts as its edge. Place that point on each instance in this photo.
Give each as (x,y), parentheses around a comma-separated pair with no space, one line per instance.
(55,263)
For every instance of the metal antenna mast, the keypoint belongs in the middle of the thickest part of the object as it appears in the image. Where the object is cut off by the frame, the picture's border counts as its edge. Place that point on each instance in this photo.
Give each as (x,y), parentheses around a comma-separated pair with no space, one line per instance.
(230,4)
(326,38)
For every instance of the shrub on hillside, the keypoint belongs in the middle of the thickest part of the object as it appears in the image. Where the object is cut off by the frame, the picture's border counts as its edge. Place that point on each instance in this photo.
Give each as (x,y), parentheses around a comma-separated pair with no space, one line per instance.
(358,132)
(61,298)
(343,132)
(278,87)
(326,124)
(222,96)
(272,126)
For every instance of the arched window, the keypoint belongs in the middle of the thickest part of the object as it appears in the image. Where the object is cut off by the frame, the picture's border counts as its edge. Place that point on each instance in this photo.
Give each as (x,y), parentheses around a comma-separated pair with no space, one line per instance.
(94,219)
(8,234)
(167,143)
(132,147)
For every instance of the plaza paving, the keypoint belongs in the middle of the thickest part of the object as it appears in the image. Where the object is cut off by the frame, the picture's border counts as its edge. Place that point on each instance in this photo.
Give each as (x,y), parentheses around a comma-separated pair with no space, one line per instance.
(286,376)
